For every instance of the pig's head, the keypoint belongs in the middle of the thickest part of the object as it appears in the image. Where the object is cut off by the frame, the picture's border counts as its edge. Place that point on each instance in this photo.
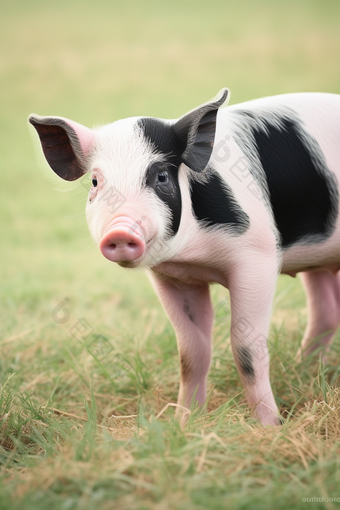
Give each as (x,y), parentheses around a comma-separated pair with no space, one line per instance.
(134,207)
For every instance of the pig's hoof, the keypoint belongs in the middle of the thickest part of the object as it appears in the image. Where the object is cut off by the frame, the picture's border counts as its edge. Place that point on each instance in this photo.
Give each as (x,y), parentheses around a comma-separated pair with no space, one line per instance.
(313,351)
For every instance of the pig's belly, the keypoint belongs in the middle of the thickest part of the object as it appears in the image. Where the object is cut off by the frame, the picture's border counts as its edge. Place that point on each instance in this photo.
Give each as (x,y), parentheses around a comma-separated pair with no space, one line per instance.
(313,256)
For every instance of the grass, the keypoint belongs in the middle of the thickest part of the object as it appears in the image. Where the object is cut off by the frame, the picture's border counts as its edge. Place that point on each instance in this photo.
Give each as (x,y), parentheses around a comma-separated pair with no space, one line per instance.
(75,431)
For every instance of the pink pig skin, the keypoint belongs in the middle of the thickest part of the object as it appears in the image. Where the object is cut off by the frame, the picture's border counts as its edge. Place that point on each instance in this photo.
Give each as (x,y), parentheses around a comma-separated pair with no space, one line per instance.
(183,257)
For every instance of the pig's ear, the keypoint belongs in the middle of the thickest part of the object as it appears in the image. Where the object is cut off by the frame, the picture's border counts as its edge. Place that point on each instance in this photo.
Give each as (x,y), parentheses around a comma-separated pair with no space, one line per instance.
(66,145)
(196,130)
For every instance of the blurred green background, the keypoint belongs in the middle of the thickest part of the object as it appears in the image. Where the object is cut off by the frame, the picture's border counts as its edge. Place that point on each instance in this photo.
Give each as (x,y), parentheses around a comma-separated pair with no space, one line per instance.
(96,62)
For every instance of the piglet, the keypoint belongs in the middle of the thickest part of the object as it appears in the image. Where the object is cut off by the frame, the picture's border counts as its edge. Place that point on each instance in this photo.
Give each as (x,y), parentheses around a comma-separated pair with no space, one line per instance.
(233,196)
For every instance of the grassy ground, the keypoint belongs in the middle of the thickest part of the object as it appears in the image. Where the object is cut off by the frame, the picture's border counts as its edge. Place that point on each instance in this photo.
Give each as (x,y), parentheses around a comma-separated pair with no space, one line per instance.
(77,433)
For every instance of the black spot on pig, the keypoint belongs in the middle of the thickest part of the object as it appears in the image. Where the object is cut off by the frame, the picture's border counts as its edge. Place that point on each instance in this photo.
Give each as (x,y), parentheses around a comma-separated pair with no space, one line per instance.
(188,311)
(185,367)
(161,137)
(246,363)
(302,190)
(212,201)
(163,179)
(213,204)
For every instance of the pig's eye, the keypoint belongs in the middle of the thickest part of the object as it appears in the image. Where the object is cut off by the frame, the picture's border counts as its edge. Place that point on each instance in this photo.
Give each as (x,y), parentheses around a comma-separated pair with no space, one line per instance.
(160,179)
(163,176)
(94,182)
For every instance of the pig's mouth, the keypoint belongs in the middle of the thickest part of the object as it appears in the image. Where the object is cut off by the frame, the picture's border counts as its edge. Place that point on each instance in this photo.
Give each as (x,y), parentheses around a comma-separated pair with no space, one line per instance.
(128,264)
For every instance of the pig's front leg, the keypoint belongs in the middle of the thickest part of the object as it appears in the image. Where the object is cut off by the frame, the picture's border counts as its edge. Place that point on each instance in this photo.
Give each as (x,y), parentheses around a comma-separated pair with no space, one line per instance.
(252,288)
(190,311)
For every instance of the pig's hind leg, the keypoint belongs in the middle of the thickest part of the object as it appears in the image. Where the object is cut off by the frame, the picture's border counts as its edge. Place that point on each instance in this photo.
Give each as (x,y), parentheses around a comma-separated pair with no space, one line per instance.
(190,311)
(323,303)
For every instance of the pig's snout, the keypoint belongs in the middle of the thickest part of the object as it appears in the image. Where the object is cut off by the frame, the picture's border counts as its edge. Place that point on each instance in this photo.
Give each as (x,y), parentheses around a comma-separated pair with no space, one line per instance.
(123,242)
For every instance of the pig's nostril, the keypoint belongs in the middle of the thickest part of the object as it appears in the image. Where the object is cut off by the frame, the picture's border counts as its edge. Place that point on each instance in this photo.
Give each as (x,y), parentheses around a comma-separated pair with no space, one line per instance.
(113,246)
